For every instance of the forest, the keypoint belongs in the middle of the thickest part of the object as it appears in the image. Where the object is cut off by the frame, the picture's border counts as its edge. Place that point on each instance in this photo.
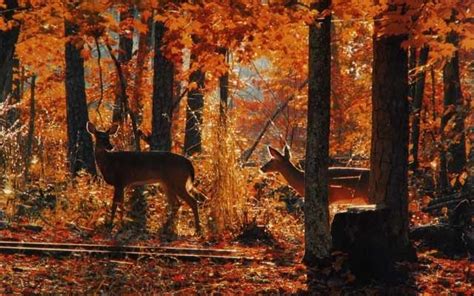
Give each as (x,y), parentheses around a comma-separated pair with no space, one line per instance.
(275,147)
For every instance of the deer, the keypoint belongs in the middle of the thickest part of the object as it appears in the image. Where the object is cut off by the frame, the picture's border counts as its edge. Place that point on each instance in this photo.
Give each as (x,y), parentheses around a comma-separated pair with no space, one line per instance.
(174,173)
(345,183)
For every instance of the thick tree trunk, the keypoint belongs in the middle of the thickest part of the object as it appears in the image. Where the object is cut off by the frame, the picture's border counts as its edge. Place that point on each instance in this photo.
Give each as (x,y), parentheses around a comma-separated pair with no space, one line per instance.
(124,56)
(163,79)
(316,208)
(8,41)
(80,151)
(390,131)
(417,104)
(453,111)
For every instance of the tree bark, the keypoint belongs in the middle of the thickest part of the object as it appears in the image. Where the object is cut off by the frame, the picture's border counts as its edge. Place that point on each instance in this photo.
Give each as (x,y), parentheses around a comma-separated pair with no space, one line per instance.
(80,151)
(316,208)
(194,108)
(417,104)
(8,41)
(124,56)
(390,134)
(163,81)
(453,111)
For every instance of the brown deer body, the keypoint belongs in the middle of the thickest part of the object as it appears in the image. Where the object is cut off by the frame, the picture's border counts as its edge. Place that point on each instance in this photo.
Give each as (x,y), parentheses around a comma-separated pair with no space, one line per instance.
(173,172)
(345,184)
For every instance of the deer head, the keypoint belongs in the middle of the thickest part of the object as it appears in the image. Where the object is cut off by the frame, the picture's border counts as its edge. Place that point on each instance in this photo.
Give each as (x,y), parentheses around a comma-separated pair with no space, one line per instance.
(102,139)
(278,161)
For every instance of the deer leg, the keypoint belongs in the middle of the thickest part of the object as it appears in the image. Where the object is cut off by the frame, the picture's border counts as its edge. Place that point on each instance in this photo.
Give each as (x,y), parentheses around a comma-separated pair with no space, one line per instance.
(118,198)
(174,205)
(192,202)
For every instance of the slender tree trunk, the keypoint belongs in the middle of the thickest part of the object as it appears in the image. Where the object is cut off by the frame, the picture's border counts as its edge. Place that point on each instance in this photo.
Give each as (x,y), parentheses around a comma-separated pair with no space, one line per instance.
(163,81)
(124,56)
(417,104)
(138,200)
(80,150)
(223,91)
(143,50)
(318,240)
(31,130)
(8,41)
(390,133)
(194,108)
(453,112)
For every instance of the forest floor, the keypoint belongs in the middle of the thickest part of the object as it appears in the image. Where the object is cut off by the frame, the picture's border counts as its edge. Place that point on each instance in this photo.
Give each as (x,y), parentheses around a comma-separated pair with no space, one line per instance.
(279,272)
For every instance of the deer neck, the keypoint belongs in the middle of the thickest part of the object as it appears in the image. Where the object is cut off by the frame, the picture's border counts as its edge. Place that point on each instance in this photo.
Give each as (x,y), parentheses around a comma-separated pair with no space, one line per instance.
(101,157)
(294,177)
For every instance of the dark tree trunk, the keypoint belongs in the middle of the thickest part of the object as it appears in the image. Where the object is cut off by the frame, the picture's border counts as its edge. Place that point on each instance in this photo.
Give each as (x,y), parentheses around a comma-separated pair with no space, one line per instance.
(31,130)
(453,112)
(124,56)
(390,132)
(163,81)
(8,41)
(417,104)
(316,208)
(14,91)
(194,108)
(80,150)
(223,91)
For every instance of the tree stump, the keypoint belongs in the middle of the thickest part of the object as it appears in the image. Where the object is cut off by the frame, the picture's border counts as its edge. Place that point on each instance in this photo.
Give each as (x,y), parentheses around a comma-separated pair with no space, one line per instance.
(363,233)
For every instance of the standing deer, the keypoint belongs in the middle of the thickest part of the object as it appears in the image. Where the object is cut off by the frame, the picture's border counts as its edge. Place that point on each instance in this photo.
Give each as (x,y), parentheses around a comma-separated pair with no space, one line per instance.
(173,172)
(345,183)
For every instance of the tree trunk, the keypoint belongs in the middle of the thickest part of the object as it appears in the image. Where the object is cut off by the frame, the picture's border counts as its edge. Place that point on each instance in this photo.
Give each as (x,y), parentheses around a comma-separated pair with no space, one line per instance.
(316,208)
(124,56)
(80,151)
(8,41)
(223,91)
(453,112)
(194,108)
(138,200)
(143,50)
(390,132)
(163,79)
(417,104)
(31,130)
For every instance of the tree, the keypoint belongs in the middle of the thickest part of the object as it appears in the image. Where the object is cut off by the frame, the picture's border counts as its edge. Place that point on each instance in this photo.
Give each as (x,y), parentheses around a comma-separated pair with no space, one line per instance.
(452,121)
(417,104)
(194,108)
(316,207)
(390,131)
(80,150)
(163,81)
(124,56)
(8,39)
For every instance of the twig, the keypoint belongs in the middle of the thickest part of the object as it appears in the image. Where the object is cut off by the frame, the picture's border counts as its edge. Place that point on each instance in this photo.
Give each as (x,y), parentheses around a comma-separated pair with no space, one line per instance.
(246,155)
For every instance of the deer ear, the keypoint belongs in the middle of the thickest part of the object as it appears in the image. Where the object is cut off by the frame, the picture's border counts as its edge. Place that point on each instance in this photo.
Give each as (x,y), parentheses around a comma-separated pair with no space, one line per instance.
(90,127)
(274,153)
(287,152)
(113,129)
